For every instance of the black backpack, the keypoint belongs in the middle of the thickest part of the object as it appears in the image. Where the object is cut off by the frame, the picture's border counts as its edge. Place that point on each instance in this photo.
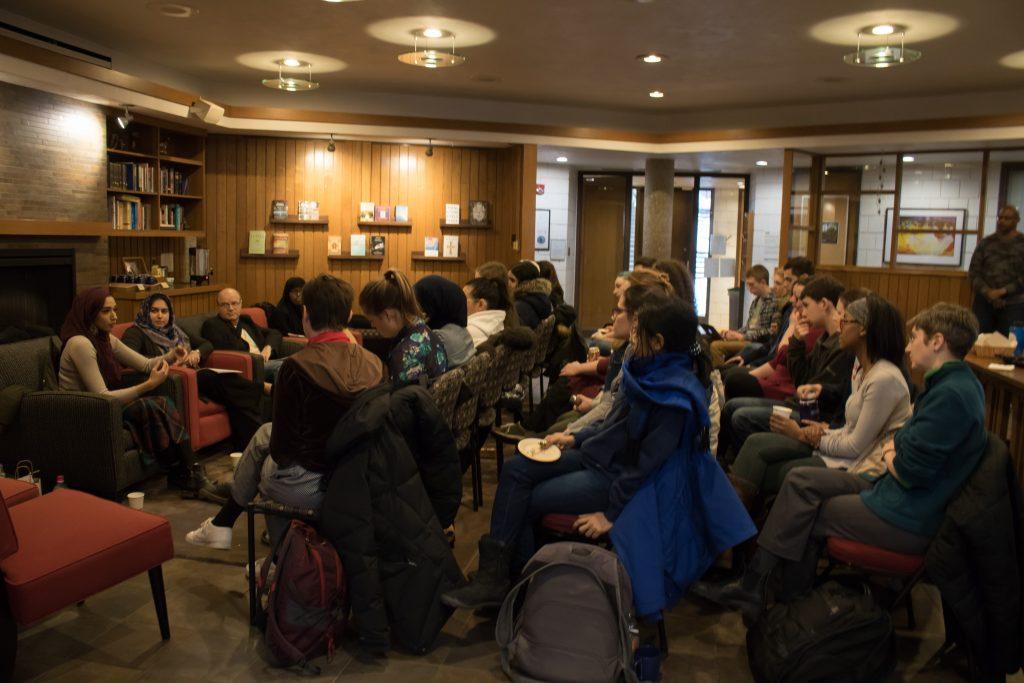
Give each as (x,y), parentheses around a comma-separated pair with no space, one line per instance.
(833,634)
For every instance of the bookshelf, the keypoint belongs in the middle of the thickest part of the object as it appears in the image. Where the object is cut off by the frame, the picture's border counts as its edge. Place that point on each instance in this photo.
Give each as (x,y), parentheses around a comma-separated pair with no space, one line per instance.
(292,254)
(295,220)
(372,225)
(421,256)
(466,226)
(346,256)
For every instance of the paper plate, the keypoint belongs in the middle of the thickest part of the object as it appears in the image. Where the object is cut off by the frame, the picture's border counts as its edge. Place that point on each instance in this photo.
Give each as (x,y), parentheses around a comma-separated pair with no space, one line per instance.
(534,449)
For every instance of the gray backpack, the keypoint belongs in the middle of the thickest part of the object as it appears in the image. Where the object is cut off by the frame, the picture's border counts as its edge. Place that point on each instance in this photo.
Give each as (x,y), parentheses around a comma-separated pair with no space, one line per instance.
(575,621)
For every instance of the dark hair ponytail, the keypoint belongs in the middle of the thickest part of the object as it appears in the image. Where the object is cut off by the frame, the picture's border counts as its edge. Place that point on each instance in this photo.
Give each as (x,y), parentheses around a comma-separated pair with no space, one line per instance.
(394,291)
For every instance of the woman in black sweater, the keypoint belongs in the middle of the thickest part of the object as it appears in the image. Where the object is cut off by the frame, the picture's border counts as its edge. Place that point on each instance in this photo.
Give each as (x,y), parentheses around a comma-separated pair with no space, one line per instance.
(154,333)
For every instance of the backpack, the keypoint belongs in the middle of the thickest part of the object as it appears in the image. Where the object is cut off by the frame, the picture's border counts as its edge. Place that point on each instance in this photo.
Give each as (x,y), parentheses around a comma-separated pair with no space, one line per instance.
(575,621)
(307,599)
(833,633)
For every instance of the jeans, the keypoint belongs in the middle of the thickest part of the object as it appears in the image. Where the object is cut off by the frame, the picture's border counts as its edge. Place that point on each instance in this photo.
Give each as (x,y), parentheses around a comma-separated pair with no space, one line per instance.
(751,416)
(528,490)
(992,319)
(270,369)
(762,460)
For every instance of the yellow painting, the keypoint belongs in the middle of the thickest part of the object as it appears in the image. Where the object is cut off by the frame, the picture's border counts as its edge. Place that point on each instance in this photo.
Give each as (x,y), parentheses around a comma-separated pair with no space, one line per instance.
(930,237)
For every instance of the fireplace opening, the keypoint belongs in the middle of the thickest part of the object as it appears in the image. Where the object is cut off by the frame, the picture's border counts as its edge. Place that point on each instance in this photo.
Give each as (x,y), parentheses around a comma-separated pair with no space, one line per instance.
(36,290)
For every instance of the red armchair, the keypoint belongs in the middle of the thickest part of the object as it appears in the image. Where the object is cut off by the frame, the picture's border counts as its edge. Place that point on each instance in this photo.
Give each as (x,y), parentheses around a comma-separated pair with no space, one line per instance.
(259,317)
(59,549)
(206,421)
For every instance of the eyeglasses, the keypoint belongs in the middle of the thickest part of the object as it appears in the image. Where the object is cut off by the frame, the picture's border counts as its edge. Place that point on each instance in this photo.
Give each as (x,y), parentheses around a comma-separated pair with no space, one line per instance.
(618,311)
(229,304)
(843,322)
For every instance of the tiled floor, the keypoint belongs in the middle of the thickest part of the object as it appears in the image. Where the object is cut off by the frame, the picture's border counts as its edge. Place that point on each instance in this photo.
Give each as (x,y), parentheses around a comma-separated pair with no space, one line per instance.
(114,636)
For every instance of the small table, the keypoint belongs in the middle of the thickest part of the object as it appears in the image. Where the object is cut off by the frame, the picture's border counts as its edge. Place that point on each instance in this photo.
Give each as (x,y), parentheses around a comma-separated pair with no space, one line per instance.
(1004,405)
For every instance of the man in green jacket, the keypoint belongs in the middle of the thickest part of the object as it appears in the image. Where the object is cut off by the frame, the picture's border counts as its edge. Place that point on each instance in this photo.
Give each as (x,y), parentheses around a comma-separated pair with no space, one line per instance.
(927,462)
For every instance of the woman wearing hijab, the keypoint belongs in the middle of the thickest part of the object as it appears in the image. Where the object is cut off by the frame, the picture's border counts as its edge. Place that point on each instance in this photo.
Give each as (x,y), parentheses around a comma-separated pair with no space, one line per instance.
(156,334)
(531,292)
(287,316)
(91,362)
(444,304)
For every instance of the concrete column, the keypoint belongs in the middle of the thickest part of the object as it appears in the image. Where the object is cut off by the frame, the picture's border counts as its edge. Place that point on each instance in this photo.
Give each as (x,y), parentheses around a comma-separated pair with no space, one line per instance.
(659,175)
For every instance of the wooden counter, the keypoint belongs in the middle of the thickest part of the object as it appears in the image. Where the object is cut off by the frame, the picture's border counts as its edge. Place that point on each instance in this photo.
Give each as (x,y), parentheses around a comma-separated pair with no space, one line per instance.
(187,300)
(1004,406)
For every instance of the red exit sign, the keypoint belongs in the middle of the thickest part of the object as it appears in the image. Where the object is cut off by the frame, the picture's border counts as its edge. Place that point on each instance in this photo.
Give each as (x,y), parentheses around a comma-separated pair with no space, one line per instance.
(540,188)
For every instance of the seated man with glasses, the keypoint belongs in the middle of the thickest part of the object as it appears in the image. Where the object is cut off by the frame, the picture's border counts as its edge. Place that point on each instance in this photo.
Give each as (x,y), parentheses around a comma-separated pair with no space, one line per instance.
(230,330)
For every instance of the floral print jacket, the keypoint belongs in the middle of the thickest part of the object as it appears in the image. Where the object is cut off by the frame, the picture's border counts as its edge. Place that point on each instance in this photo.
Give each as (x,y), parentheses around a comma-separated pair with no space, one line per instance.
(418,352)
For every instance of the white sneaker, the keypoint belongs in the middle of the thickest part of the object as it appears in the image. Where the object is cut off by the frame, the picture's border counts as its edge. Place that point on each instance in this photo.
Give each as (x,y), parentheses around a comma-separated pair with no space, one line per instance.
(211,536)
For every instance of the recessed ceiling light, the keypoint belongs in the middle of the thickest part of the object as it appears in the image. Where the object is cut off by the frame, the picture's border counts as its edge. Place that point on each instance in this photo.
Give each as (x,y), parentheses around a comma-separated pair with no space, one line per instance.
(562,159)
(656,94)
(907,158)
(651,58)
(883,30)
(761,162)
(173,10)
(826,171)
(291,61)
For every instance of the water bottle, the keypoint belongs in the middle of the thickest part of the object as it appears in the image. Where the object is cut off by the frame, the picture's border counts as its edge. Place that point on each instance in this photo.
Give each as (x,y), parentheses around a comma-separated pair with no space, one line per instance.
(2,473)
(60,483)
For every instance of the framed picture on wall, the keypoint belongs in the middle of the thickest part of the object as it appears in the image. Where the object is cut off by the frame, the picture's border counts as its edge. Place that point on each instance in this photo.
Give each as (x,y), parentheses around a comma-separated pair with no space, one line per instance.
(927,237)
(134,265)
(542,230)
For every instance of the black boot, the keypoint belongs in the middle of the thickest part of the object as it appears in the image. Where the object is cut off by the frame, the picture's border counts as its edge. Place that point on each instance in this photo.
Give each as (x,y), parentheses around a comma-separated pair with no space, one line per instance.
(491,583)
(193,483)
(748,593)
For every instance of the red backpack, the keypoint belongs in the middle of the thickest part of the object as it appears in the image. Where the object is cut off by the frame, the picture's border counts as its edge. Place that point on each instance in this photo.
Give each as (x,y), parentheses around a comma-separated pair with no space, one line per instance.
(306,598)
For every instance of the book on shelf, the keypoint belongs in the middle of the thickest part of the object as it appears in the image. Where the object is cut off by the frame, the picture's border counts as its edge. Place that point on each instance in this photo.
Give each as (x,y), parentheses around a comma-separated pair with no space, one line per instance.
(130,175)
(451,246)
(383,214)
(334,245)
(451,213)
(366,212)
(401,213)
(309,211)
(377,245)
(173,181)
(257,242)
(128,213)
(279,209)
(431,246)
(172,217)
(280,243)
(357,245)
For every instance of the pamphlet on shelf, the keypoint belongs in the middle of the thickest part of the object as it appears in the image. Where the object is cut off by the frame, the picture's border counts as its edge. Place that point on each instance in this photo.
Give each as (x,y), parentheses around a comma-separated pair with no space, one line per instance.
(377,245)
(451,246)
(280,243)
(430,246)
(279,209)
(357,245)
(451,213)
(401,213)
(383,214)
(334,245)
(366,212)
(257,242)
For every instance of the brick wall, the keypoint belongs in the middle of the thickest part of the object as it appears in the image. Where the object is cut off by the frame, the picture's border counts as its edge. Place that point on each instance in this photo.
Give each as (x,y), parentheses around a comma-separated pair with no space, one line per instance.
(53,167)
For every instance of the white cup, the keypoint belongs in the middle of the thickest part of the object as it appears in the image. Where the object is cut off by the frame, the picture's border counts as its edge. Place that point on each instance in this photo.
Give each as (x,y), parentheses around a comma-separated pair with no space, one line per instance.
(170,281)
(235,457)
(783,412)
(135,499)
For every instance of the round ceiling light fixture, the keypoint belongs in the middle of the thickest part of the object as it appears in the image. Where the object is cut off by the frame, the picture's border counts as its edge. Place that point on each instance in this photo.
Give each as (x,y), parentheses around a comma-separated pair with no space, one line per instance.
(432,33)
(908,159)
(292,63)
(429,57)
(885,55)
(761,162)
(883,29)
(651,58)
(1014,60)
(173,10)
(656,94)
(562,159)
(292,83)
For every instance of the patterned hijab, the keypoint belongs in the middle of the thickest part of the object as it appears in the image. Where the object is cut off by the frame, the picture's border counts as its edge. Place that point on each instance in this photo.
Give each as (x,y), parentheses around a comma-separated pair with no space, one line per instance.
(81,320)
(166,337)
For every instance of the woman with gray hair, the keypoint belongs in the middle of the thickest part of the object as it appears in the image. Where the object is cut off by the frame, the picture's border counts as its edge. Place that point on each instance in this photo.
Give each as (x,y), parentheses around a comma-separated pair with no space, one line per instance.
(878,405)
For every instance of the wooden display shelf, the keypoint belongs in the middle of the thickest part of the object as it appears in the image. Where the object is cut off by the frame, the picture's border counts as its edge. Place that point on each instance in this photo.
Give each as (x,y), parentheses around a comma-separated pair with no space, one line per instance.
(466,226)
(141,193)
(420,256)
(370,225)
(292,253)
(346,256)
(184,290)
(129,153)
(168,195)
(40,228)
(180,160)
(294,220)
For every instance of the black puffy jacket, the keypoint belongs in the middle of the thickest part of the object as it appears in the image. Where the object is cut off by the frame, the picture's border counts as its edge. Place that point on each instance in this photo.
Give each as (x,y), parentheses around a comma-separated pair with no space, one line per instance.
(395,486)
(533,301)
(976,561)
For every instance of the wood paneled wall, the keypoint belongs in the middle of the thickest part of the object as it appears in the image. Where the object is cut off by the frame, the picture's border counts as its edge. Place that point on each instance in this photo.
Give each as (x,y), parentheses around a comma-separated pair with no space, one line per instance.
(245,173)
(909,290)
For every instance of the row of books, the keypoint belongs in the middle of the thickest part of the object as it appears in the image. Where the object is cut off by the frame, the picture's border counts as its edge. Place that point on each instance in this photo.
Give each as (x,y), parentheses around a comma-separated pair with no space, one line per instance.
(128,213)
(173,181)
(370,213)
(357,244)
(172,216)
(129,175)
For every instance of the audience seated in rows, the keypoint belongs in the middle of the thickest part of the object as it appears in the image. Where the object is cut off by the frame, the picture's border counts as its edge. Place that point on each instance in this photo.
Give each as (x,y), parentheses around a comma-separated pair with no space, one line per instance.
(487,303)
(757,330)
(496,270)
(601,469)
(90,361)
(155,334)
(793,270)
(314,389)
(231,330)
(417,351)
(879,404)
(531,293)
(925,464)
(286,317)
(444,306)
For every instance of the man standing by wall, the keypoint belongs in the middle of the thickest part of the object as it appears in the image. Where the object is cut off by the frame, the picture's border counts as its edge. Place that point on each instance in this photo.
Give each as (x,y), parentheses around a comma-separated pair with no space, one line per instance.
(997,275)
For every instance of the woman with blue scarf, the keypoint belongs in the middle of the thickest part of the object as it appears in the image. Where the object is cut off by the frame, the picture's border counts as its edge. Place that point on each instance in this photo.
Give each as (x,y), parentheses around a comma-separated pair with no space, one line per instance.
(156,334)
(644,475)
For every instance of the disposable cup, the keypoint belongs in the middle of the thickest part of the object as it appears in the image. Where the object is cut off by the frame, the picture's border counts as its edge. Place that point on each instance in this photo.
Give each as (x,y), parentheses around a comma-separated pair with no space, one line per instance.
(782,411)
(135,500)
(235,457)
